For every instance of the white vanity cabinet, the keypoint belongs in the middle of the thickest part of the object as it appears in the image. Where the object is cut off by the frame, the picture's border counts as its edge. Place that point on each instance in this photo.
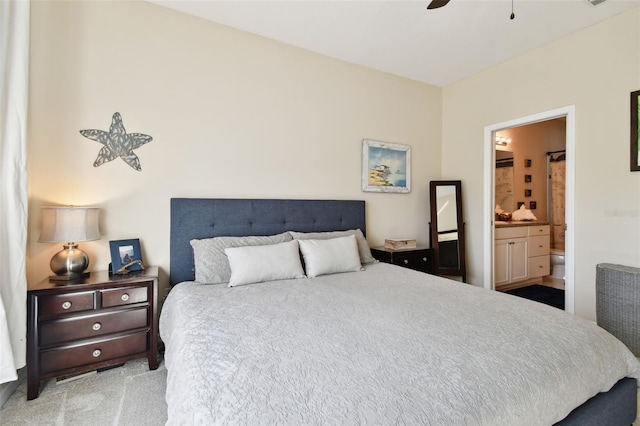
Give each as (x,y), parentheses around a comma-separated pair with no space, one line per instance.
(511,257)
(539,251)
(521,253)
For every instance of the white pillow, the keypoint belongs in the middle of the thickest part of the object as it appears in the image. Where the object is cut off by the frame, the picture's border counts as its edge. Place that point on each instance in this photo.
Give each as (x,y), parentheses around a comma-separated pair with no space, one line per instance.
(363,247)
(211,263)
(322,257)
(255,264)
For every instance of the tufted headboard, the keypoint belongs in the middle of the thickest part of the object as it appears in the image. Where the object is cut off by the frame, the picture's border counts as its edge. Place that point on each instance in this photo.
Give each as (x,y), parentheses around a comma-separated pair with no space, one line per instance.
(197,218)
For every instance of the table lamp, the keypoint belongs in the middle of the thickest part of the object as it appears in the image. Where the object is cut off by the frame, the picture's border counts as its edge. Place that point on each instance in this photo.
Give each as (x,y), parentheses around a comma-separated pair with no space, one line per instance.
(69,225)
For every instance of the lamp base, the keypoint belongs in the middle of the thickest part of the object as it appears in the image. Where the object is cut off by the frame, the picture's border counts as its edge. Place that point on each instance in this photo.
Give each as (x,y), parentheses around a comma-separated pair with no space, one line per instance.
(69,278)
(69,264)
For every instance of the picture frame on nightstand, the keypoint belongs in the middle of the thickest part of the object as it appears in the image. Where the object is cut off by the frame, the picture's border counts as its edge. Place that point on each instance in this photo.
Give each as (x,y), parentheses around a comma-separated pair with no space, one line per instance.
(126,256)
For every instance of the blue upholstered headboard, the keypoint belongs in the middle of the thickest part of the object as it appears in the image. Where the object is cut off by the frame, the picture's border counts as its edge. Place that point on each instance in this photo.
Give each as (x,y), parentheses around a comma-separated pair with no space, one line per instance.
(197,218)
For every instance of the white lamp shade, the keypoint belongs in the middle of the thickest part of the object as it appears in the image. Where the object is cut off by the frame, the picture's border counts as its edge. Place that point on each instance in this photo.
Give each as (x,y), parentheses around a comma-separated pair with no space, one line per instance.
(69,224)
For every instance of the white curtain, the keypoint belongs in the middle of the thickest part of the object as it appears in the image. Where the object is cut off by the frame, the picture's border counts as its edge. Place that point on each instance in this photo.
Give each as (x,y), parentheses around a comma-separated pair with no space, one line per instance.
(14,79)
(558,179)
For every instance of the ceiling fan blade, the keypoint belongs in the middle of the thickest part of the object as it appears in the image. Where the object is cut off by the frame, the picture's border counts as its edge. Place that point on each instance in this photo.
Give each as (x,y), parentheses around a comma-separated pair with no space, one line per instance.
(437,3)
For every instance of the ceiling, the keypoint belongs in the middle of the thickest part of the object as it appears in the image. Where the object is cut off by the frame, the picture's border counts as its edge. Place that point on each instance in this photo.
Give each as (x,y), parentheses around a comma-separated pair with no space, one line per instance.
(439,46)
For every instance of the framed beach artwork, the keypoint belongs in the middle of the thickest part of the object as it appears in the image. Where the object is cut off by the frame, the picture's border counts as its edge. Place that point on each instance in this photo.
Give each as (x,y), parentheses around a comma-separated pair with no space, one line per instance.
(635,131)
(386,167)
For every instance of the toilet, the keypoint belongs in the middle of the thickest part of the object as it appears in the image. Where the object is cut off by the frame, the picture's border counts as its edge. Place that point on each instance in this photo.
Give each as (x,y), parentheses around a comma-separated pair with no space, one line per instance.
(557,264)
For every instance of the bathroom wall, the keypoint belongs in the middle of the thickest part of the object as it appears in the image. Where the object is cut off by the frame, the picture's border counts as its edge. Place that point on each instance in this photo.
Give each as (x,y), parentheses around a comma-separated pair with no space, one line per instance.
(532,142)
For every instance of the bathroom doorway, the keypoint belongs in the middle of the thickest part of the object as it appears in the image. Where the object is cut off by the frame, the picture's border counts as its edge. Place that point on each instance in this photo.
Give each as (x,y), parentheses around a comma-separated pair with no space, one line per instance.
(540,149)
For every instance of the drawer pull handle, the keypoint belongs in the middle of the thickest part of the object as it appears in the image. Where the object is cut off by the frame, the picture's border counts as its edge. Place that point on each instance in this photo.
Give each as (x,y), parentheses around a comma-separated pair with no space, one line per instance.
(424,259)
(124,297)
(540,246)
(66,305)
(96,353)
(406,262)
(97,326)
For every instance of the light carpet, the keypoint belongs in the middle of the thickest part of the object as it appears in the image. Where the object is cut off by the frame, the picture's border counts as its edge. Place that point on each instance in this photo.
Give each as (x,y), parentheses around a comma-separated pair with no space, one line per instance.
(128,395)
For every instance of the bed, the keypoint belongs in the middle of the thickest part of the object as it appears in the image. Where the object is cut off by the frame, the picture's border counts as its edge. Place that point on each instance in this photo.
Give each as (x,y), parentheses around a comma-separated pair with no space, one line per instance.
(378,345)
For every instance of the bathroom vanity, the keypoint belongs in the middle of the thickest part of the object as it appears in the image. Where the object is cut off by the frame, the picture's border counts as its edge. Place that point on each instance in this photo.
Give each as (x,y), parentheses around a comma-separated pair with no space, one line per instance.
(522,251)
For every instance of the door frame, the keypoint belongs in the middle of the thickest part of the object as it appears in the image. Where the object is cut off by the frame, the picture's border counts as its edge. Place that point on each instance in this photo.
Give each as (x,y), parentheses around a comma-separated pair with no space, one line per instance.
(569,112)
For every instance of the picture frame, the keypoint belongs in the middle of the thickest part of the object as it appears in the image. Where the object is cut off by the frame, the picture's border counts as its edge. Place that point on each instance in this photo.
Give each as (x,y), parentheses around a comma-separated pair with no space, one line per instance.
(527,178)
(635,131)
(527,193)
(527,163)
(386,167)
(124,252)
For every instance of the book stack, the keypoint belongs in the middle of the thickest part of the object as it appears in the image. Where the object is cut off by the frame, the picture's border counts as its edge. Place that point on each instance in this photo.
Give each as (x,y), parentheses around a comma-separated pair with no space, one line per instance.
(399,243)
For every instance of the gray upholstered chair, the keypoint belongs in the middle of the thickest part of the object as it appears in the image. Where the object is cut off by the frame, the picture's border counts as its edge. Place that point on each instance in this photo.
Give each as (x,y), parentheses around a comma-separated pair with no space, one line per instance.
(618,303)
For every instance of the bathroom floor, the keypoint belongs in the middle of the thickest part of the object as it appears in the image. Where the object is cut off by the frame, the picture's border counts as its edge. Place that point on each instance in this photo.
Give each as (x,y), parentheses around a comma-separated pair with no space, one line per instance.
(540,293)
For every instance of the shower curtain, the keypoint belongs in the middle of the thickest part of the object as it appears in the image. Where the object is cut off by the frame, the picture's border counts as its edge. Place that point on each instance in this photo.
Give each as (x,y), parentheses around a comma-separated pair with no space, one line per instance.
(504,185)
(14,78)
(557,175)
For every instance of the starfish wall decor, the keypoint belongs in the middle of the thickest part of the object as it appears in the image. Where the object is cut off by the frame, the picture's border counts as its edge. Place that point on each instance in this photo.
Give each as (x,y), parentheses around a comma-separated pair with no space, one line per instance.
(117,143)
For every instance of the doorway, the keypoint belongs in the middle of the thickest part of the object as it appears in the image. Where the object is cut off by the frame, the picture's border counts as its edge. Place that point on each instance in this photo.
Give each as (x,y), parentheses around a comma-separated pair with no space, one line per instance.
(567,114)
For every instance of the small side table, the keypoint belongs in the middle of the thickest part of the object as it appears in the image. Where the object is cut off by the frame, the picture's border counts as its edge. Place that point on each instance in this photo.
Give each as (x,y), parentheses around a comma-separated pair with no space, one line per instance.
(419,258)
(101,321)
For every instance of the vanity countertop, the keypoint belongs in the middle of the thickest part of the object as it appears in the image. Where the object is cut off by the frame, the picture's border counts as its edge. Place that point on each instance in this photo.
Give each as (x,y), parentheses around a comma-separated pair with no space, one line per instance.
(511,223)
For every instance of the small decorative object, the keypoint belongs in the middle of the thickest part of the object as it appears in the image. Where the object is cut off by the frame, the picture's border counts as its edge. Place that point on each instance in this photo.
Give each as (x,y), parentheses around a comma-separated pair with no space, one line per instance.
(117,143)
(126,256)
(504,216)
(527,193)
(386,167)
(533,205)
(527,163)
(523,214)
(635,131)
(399,243)
(69,225)
(527,178)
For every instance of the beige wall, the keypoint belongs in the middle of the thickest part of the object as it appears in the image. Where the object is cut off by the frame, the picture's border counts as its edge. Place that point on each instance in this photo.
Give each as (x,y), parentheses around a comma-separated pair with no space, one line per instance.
(236,115)
(231,115)
(595,70)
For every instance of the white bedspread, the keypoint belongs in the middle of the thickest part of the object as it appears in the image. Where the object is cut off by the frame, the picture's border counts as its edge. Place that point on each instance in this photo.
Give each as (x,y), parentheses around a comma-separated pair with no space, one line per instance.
(384,346)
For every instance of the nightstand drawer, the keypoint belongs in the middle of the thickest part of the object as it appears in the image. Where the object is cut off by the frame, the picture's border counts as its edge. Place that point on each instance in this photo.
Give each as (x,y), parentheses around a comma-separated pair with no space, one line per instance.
(65,330)
(89,353)
(123,296)
(420,259)
(413,260)
(65,303)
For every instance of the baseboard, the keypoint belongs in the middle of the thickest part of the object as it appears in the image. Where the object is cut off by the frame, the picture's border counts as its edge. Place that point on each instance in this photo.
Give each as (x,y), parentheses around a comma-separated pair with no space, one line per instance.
(519,284)
(7,389)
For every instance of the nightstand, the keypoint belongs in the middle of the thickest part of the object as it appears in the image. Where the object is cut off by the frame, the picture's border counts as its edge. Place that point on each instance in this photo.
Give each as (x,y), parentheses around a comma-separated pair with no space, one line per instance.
(101,321)
(420,258)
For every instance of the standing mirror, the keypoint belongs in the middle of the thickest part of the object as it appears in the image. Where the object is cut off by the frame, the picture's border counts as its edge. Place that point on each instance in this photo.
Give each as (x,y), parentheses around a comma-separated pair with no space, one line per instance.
(447,228)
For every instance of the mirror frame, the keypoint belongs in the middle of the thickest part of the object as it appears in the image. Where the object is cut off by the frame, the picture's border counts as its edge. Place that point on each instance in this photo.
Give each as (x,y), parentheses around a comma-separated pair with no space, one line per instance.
(461,271)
